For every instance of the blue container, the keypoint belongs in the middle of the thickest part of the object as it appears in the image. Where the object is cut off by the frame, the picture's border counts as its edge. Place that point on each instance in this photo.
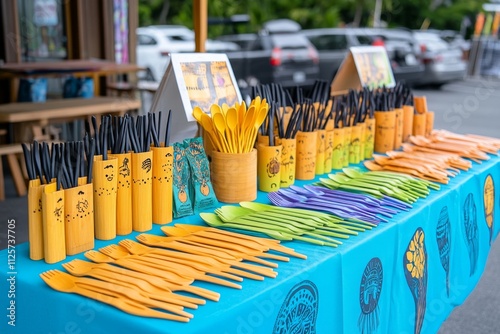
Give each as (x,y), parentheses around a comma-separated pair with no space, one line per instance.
(32,90)
(78,87)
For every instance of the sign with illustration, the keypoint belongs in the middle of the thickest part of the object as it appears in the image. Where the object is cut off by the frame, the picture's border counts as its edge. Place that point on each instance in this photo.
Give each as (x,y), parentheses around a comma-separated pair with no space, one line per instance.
(194,79)
(364,66)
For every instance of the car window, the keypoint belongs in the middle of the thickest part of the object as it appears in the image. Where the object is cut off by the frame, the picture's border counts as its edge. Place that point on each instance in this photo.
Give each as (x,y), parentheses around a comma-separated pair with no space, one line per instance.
(364,39)
(329,42)
(290,41)
(180,38)
(146,40)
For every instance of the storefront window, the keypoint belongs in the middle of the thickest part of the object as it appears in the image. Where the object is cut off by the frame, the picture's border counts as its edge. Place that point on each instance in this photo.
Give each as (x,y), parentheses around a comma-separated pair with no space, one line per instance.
(42,29)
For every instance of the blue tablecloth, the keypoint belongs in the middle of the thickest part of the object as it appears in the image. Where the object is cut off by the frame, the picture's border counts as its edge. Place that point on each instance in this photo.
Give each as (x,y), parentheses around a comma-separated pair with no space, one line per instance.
(405,276)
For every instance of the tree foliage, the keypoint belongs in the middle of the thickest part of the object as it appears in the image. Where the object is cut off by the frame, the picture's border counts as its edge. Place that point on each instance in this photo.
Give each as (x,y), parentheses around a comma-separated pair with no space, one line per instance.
(448,14)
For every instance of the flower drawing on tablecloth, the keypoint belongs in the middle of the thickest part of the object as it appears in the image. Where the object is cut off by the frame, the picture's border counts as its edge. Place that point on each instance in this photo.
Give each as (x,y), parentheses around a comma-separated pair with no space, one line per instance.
(471,231)
(370,289)
(443,238)
(299,310)
(489,203)
(415,269)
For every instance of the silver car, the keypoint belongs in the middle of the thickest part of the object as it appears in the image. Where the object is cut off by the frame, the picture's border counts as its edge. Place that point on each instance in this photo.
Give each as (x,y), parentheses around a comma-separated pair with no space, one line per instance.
(443,62)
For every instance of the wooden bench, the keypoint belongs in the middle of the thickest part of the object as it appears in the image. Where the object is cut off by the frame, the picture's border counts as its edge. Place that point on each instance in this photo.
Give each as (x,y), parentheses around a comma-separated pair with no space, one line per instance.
(12,151)
(65,109)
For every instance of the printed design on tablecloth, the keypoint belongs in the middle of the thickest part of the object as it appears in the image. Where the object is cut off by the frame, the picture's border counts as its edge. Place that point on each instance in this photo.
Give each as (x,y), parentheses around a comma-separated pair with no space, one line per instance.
(299,310)
(471,231)
(415,269)
(489,203)
(443,238)
(370,289)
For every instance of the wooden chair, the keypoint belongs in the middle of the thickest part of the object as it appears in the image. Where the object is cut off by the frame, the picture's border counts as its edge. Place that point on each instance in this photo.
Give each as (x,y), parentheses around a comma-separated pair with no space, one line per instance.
(12,152)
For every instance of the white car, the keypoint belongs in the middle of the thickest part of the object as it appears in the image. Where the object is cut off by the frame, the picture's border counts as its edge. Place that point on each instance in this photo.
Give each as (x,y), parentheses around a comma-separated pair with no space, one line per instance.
(156,43)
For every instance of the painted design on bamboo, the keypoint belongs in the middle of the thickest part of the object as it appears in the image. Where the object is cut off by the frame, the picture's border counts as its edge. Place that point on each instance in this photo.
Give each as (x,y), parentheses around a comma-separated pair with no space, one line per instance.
(299,311)
(124,169)
(471,231)
(443,238)
(370,290)
(415,269)
(489,203)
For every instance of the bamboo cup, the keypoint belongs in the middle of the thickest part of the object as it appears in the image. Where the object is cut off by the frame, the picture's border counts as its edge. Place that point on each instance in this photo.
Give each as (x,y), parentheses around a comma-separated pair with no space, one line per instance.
(398,131)
(338,148)
(305,167)
(369,137)
(262,139)
(355,144)
(287,163)
(142,191)
(347,146)
(35,219)
(54,242)
(407,122)
(362,141)
(419,124)
(104,175)
(429,123)
(328,151)
(420,103)
(123,194)
(79,217)
(320,153)
(385,126)
(268,167)
(163,158)
(234,176)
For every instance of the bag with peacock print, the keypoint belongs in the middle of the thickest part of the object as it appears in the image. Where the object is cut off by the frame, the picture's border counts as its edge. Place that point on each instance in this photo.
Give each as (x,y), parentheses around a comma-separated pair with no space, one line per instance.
(182,199)
(201,186)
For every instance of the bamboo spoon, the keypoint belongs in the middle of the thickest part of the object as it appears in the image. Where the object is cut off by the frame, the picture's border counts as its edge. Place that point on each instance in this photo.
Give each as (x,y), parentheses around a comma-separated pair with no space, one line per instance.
(197,112)
(62,282)
(232,124)
(220,125)
(215,109)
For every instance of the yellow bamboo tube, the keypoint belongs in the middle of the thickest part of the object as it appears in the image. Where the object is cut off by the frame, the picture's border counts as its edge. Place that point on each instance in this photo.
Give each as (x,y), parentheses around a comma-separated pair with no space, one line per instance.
(338,148)
(362,141)
(355,144)
(305,168)
(54,241)
(369,137)
(429,123)
(35,219)
(268,167)
(104,175)
(79,218)
(407,122)
(419,124)
(287,164)
(328,151)
(142,191)
(124,193)
(347,146)
(385,128)
(163,158)
(320,153)
(398,131)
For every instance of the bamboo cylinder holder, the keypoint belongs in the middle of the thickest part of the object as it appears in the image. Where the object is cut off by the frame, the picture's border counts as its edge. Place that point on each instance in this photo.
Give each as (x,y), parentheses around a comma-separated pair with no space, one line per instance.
(79,218)
(124,193)
(142,191)
(398,131)
(268,167)
(234,176)
(407,122)
(305,168)
(385,128)
(419,124)
(262,139)
(420,104)
(54,240)
(362,141)
(104,175)
(163,158)
(369,137)
(429,123)
(35,219)
(355,145)
(347,146)
(320,153)
(328,151)
(287,163)
(338,148)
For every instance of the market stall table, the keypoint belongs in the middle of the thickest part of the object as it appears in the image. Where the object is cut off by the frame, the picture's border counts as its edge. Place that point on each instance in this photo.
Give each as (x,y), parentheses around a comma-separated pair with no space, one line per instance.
(403,276)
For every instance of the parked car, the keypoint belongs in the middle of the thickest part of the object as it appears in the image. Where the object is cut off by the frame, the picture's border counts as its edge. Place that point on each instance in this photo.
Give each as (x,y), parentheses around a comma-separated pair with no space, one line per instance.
(334,43)
(443,61)
(156,43)
(278,53)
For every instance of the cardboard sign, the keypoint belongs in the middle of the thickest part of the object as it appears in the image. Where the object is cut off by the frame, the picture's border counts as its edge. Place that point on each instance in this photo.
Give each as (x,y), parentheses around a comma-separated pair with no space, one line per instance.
(364,66)
(194,79)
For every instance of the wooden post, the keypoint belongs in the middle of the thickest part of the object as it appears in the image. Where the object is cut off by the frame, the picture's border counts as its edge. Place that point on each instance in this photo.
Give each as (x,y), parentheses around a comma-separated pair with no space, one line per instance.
(200,24)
